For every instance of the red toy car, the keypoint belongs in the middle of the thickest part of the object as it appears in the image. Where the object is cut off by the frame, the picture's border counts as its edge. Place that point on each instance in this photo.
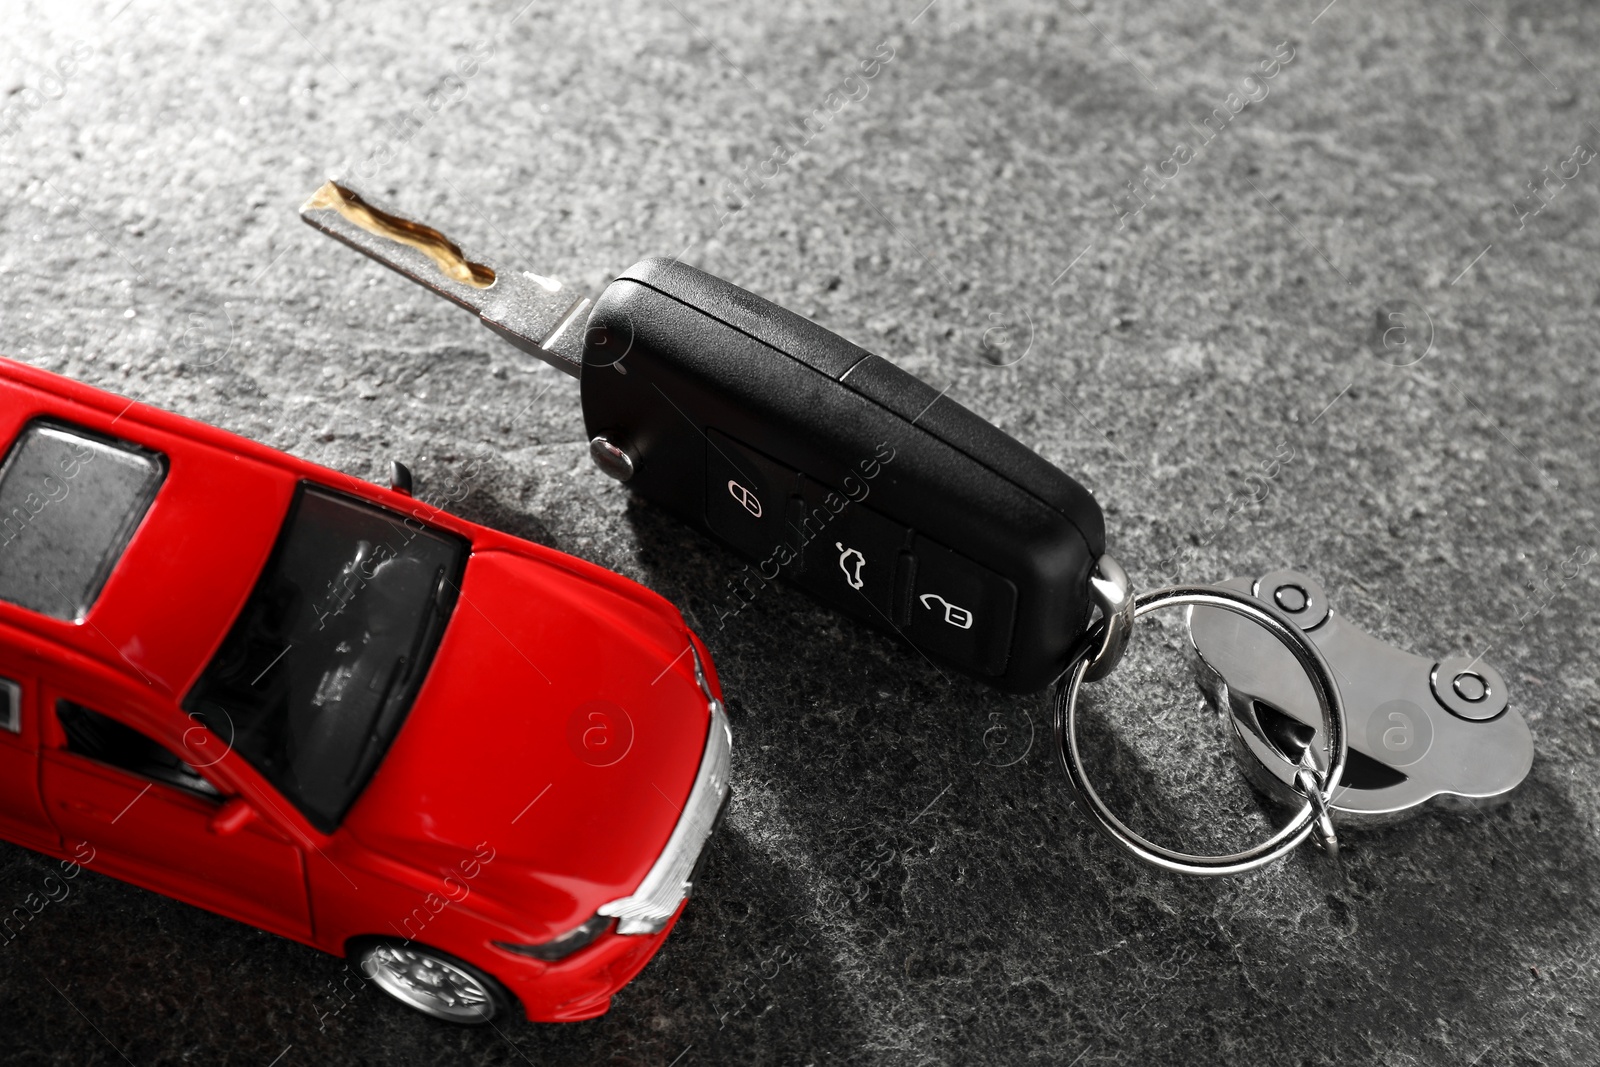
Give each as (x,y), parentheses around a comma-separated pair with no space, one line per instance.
(482,768)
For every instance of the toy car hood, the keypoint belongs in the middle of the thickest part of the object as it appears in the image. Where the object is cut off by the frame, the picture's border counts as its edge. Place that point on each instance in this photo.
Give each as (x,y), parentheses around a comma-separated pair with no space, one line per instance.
(559,732)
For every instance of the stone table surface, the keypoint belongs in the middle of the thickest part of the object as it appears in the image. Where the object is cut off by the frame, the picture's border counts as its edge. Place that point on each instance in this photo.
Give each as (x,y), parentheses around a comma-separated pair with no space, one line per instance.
(1348,327)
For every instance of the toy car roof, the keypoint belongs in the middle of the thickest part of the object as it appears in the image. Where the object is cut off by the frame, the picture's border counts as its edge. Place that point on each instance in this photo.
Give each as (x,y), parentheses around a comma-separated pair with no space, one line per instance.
(195,554)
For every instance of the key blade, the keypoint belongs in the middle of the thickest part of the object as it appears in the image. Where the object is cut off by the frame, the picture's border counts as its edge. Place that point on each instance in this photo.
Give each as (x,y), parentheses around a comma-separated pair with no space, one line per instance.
(419,252)
(535,313)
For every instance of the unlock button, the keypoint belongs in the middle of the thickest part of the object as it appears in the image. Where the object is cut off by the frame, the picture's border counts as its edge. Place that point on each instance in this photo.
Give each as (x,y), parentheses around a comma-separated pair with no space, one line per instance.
(959,609)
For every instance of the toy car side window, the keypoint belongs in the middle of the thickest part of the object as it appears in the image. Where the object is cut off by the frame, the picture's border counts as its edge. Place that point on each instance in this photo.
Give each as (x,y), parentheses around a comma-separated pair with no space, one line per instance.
(105,740)
(69,503)
(10,706)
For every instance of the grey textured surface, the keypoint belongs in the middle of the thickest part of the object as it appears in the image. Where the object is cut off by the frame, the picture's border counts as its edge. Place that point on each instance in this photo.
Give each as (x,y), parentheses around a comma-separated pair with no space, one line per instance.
(902,878)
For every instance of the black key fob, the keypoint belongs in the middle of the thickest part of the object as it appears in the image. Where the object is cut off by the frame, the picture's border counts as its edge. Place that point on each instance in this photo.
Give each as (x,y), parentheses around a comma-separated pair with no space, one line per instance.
(828,466)
(820,462)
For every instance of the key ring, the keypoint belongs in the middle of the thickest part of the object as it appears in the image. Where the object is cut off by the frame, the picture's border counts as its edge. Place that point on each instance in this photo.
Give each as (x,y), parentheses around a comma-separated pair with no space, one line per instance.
(1317,788)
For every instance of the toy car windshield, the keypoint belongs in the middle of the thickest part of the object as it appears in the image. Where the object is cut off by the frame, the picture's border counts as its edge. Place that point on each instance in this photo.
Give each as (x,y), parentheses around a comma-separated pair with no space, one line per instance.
(314,679)
(69,503)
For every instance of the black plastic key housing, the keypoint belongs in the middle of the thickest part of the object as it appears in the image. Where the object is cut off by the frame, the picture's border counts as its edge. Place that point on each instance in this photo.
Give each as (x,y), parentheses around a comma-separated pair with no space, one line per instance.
(830,467)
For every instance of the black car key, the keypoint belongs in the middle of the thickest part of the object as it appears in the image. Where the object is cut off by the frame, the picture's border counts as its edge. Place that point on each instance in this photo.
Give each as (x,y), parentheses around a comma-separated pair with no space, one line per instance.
(819,462)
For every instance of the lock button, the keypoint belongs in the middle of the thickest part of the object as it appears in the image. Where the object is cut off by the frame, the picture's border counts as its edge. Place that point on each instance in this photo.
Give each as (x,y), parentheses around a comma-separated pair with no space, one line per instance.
(747,496)
(959,609)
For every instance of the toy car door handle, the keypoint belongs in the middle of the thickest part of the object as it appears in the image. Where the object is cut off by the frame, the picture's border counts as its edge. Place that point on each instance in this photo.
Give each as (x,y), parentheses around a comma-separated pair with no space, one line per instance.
(82,807)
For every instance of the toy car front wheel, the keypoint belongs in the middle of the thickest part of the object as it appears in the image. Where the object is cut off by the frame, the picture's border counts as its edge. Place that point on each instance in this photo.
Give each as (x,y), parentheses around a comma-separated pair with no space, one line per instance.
(433,982)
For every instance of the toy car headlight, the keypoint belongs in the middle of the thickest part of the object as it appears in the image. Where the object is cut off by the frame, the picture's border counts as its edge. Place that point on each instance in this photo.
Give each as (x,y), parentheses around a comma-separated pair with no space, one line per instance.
(565,945)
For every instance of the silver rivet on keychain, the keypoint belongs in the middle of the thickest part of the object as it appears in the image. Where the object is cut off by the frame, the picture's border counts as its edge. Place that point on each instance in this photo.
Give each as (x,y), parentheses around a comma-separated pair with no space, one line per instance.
(1315,787)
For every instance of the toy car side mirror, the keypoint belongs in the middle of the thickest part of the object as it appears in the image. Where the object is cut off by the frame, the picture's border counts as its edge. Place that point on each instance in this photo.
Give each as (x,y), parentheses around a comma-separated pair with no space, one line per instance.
(234,815)
(399,477)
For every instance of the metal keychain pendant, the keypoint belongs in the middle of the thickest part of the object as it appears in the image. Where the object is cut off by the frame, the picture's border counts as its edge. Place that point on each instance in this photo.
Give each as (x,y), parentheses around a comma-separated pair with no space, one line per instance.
(1323,718)
(1421,732)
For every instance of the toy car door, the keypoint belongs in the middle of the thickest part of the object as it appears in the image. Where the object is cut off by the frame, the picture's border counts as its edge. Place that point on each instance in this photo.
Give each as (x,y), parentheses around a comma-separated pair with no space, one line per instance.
(22,814)
(149,815)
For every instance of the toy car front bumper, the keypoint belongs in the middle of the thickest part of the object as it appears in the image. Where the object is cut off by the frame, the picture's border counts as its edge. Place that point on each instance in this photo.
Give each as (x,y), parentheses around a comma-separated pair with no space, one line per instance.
(665,888)
(581,987)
